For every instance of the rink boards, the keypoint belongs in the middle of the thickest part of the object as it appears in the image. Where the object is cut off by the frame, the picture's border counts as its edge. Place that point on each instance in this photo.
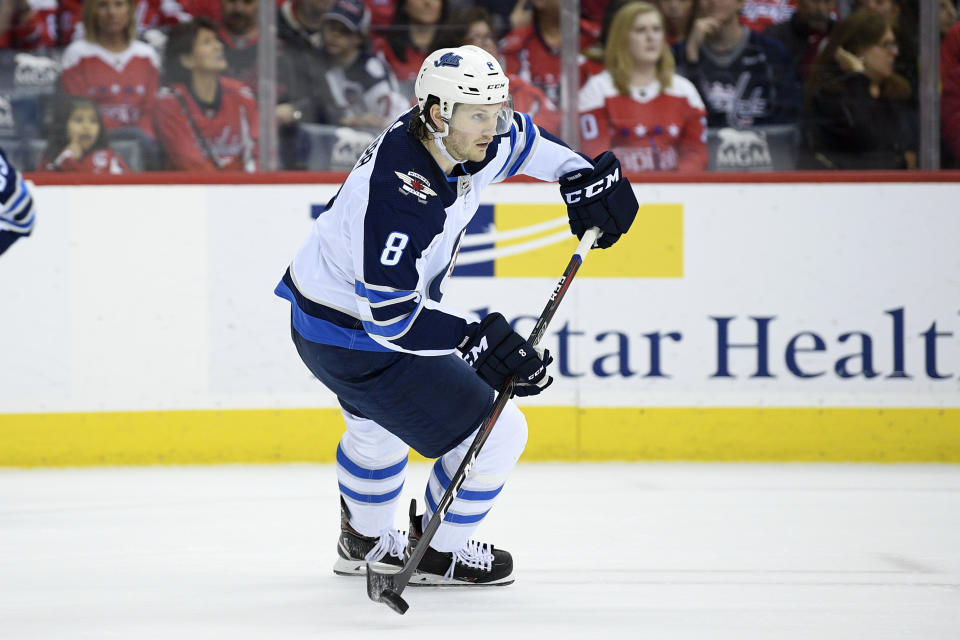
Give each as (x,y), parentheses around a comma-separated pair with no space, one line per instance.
(734,322)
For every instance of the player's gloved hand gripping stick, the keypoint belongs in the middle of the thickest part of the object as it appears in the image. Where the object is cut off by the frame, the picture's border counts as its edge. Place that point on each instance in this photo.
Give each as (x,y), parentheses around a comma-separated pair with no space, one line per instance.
(387,587)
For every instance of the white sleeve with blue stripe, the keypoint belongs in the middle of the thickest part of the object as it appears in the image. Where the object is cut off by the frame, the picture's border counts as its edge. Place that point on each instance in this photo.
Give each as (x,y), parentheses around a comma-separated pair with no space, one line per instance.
(537,153)
(16,202)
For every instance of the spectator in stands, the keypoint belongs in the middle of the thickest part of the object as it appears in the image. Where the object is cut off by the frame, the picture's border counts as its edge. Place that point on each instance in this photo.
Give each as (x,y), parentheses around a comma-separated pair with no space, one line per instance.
(760,15)
(593,64)
(650,117)
(205,121)
(327,74)
(16,205)
(20,26)
(119,73)
(950,99)
(804,33)
(152,19)
(678,18)
(412,35)
(903,16)
(745,78)
(351,86)
(857,115)
(78,140)
(948,16)
(475,26)
(240,34)
(508,15)
(533,52)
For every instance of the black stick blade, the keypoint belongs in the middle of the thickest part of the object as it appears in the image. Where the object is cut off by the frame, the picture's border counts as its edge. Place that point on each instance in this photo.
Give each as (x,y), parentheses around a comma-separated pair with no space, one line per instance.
(381,588)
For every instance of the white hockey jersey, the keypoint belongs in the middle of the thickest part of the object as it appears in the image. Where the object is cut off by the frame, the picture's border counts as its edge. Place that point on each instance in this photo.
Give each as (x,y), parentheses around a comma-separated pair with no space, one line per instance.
(371,274)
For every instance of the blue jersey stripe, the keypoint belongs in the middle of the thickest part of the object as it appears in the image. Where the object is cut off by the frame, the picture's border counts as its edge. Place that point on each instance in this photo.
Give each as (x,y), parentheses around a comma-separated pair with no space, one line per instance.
(394,312)
(392,330)
(376,296)
(529,135)
(322,330)
(513,145)
(363,473)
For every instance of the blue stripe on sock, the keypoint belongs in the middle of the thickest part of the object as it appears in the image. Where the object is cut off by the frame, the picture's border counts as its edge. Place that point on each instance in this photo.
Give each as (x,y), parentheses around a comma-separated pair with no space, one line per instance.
(371,498)
(464,494)
(357,471)
(455,518)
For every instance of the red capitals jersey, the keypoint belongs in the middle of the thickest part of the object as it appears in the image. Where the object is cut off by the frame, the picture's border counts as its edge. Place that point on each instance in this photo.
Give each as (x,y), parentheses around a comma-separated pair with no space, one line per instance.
(22,32)
(230,128)
(98,161)
(649,130)
(381,12)
(406,72)
(527,55)
(530,99)
(760,14)
(123,85)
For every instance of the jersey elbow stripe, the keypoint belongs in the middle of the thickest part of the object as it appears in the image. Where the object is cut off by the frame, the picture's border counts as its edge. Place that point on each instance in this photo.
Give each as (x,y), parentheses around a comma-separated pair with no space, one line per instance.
(395,329)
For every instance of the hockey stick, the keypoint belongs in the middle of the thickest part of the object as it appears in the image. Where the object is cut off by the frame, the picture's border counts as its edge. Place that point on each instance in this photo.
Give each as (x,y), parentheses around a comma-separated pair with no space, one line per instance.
(387,587)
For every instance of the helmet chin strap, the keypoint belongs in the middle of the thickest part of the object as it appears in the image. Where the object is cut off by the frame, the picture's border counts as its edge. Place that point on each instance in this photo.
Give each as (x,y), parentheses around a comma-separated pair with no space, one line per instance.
(438,137)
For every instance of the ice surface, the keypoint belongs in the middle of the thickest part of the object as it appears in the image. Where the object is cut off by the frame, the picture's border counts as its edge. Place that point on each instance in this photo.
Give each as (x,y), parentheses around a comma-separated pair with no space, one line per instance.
(602,551)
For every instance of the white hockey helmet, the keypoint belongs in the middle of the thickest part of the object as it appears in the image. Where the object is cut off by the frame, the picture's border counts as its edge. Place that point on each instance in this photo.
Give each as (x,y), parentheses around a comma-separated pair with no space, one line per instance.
(466,75)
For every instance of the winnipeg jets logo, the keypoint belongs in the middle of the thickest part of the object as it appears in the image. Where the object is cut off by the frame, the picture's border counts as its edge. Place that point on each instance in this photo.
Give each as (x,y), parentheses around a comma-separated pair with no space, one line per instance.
(416,185)
(448,60)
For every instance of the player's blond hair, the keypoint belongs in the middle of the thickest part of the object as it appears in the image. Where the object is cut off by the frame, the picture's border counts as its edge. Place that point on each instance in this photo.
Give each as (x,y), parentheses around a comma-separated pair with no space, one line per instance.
(616,53)
(92,29)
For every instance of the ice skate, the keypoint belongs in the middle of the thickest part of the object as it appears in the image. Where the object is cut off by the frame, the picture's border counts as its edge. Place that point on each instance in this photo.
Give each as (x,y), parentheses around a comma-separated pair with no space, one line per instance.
(386,552)
(476,564)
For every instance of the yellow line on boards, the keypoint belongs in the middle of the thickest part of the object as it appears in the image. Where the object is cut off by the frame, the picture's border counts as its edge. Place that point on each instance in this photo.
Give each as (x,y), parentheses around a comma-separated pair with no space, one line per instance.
(556,434)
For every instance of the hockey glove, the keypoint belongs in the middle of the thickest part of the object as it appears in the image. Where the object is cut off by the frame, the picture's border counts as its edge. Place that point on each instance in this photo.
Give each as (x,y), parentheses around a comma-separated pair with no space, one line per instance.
(599,198)
(497,352)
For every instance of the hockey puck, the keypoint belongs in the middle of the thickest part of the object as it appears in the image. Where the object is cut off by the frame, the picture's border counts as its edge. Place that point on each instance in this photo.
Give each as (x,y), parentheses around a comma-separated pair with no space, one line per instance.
(394,601)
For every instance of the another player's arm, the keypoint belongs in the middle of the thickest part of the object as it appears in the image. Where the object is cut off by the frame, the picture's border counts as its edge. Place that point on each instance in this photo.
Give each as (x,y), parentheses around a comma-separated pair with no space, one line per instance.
(16,203)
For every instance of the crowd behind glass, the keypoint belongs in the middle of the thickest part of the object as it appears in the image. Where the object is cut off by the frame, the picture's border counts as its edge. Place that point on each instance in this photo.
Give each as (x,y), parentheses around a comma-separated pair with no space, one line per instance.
(114,86)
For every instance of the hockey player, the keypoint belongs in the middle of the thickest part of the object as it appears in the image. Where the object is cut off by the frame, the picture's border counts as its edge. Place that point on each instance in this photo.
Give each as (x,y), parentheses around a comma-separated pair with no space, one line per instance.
(368,321)
(16,205)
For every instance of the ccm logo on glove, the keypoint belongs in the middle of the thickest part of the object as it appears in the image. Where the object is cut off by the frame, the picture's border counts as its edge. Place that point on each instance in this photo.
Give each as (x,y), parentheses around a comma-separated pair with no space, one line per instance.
(572,197)
(600,197)
(498,352)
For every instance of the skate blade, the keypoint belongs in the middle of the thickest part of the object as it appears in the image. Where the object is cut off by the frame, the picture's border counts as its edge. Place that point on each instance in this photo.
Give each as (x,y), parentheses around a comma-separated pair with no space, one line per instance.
(433,580)
(344,567)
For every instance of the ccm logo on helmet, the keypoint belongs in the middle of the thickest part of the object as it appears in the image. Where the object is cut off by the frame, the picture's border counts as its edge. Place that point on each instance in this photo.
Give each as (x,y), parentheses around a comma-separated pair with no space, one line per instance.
(448,60)
(594,189)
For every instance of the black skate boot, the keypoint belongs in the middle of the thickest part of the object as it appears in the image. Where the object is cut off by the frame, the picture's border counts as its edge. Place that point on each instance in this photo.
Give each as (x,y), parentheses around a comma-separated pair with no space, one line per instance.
(476,564)
(387,552)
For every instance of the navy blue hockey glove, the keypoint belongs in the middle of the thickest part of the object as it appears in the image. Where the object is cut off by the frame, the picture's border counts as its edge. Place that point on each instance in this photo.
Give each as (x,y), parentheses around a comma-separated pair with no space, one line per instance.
(599,198)
(497,352)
